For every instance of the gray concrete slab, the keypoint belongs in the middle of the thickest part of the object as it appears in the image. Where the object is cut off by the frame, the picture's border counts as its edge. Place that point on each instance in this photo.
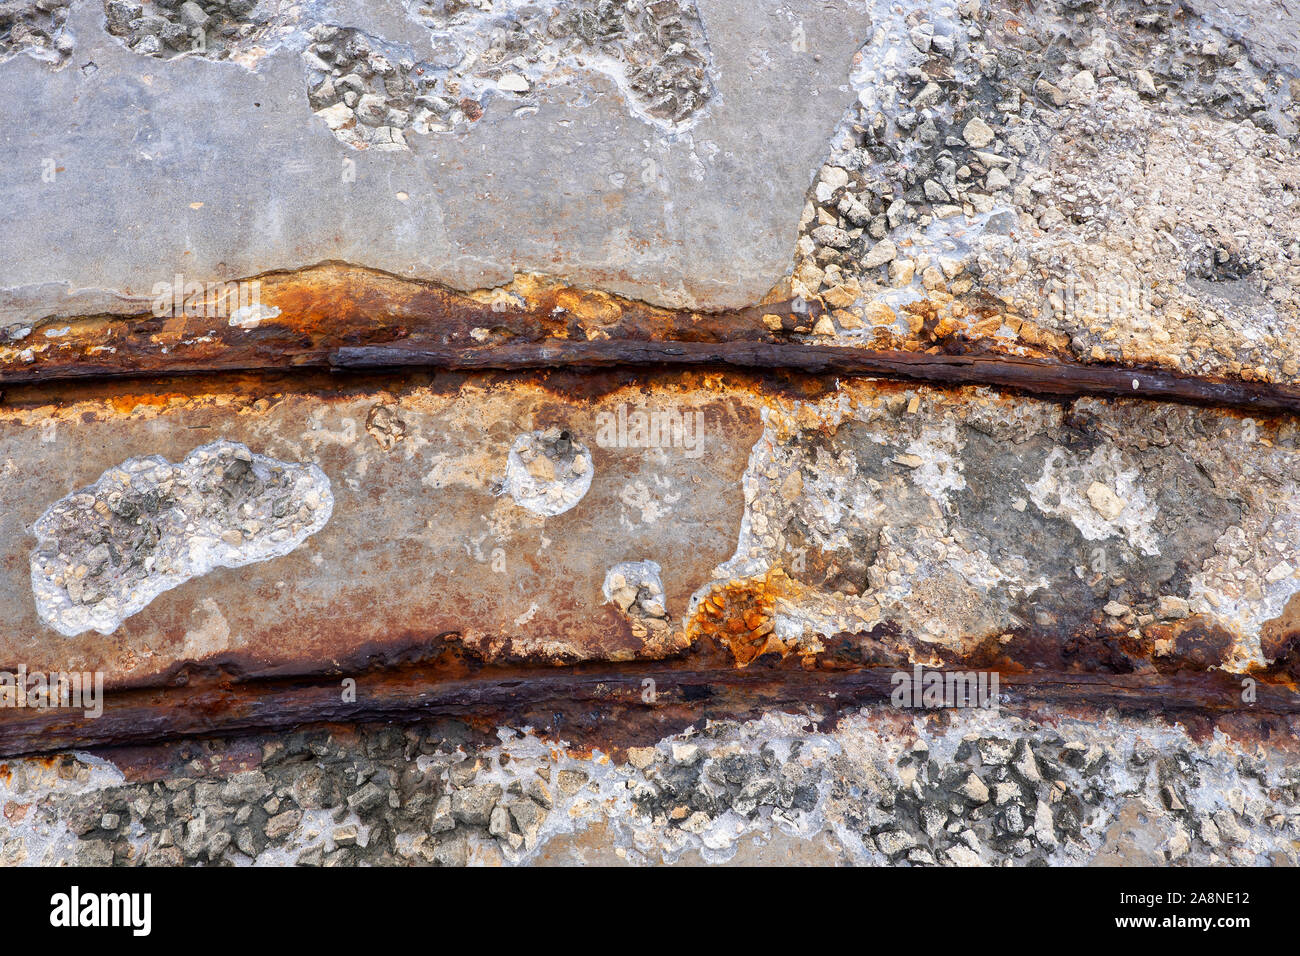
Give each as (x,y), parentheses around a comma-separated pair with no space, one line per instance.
(217,170)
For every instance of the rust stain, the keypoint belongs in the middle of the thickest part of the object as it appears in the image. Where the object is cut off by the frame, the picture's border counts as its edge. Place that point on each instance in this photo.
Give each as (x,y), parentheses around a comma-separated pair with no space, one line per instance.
(1194,643)
(740,615)
(333,305)
(420,650)
(1280,642)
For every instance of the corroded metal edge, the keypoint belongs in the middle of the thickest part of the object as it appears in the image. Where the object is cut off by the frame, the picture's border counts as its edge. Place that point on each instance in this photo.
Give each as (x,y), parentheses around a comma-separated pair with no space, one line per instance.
(1040,376)
(337,316)
(605,705)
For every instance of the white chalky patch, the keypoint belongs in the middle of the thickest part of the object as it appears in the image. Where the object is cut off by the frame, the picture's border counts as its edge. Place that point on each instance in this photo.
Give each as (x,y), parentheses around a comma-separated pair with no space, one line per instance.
(940,470)
(1244,597)
(251,316)
(635,582)
(211,635)
(1118,507)
(547,472)
(645,503)
(146,526)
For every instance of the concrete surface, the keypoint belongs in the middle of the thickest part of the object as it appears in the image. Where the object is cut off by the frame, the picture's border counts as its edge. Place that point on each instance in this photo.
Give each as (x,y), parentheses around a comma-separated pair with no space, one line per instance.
(220,171)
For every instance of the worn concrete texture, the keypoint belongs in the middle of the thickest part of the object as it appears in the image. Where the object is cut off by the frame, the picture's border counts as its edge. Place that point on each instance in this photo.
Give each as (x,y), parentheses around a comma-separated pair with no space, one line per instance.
(1111,181)
(943,524)
(218,169)
(970,789)
(424,521)
(920,525)
(1081,181)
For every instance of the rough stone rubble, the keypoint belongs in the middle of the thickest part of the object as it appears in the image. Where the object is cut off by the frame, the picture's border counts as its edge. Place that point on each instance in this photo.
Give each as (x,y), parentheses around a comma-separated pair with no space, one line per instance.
(969,788)
(1111,181)
(169,28)
(37,28)
(146,526)
(655,50)
(953,521)
(637,590)
(371,93)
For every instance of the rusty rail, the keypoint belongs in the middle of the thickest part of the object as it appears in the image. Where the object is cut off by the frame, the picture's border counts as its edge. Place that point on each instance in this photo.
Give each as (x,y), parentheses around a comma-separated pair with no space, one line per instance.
(1039,376)
(589,702)
(384,329)
(341,317)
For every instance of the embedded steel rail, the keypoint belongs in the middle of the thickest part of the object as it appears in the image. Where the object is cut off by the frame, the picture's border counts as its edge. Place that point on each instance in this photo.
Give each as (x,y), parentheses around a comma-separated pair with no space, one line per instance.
(1044,376)
(1040,376)
(598,704)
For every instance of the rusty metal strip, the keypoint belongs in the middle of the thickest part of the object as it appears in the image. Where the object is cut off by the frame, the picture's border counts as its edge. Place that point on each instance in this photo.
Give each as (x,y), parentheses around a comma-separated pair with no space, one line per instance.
(303,316)
(343,317)
(1040,376)
(1047,376)
(587,703)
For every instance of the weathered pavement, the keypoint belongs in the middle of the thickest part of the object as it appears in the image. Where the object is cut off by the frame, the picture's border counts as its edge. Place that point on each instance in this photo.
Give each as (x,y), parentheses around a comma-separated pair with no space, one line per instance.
(619,399)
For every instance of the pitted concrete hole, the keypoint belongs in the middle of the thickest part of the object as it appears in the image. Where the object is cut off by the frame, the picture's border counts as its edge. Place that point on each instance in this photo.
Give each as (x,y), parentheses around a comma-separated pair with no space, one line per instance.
(548,472)
(146,526)
(636,589)
(212,29)
(385,425)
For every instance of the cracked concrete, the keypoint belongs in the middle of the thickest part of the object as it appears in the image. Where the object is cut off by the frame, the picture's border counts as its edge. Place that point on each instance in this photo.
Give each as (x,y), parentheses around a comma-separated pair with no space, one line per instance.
(1115,185)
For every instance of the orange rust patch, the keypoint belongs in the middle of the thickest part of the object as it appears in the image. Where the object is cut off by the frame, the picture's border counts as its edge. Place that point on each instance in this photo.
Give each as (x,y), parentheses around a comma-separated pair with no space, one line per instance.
(597,306)
(126,404)
(739,615)
(334,304)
